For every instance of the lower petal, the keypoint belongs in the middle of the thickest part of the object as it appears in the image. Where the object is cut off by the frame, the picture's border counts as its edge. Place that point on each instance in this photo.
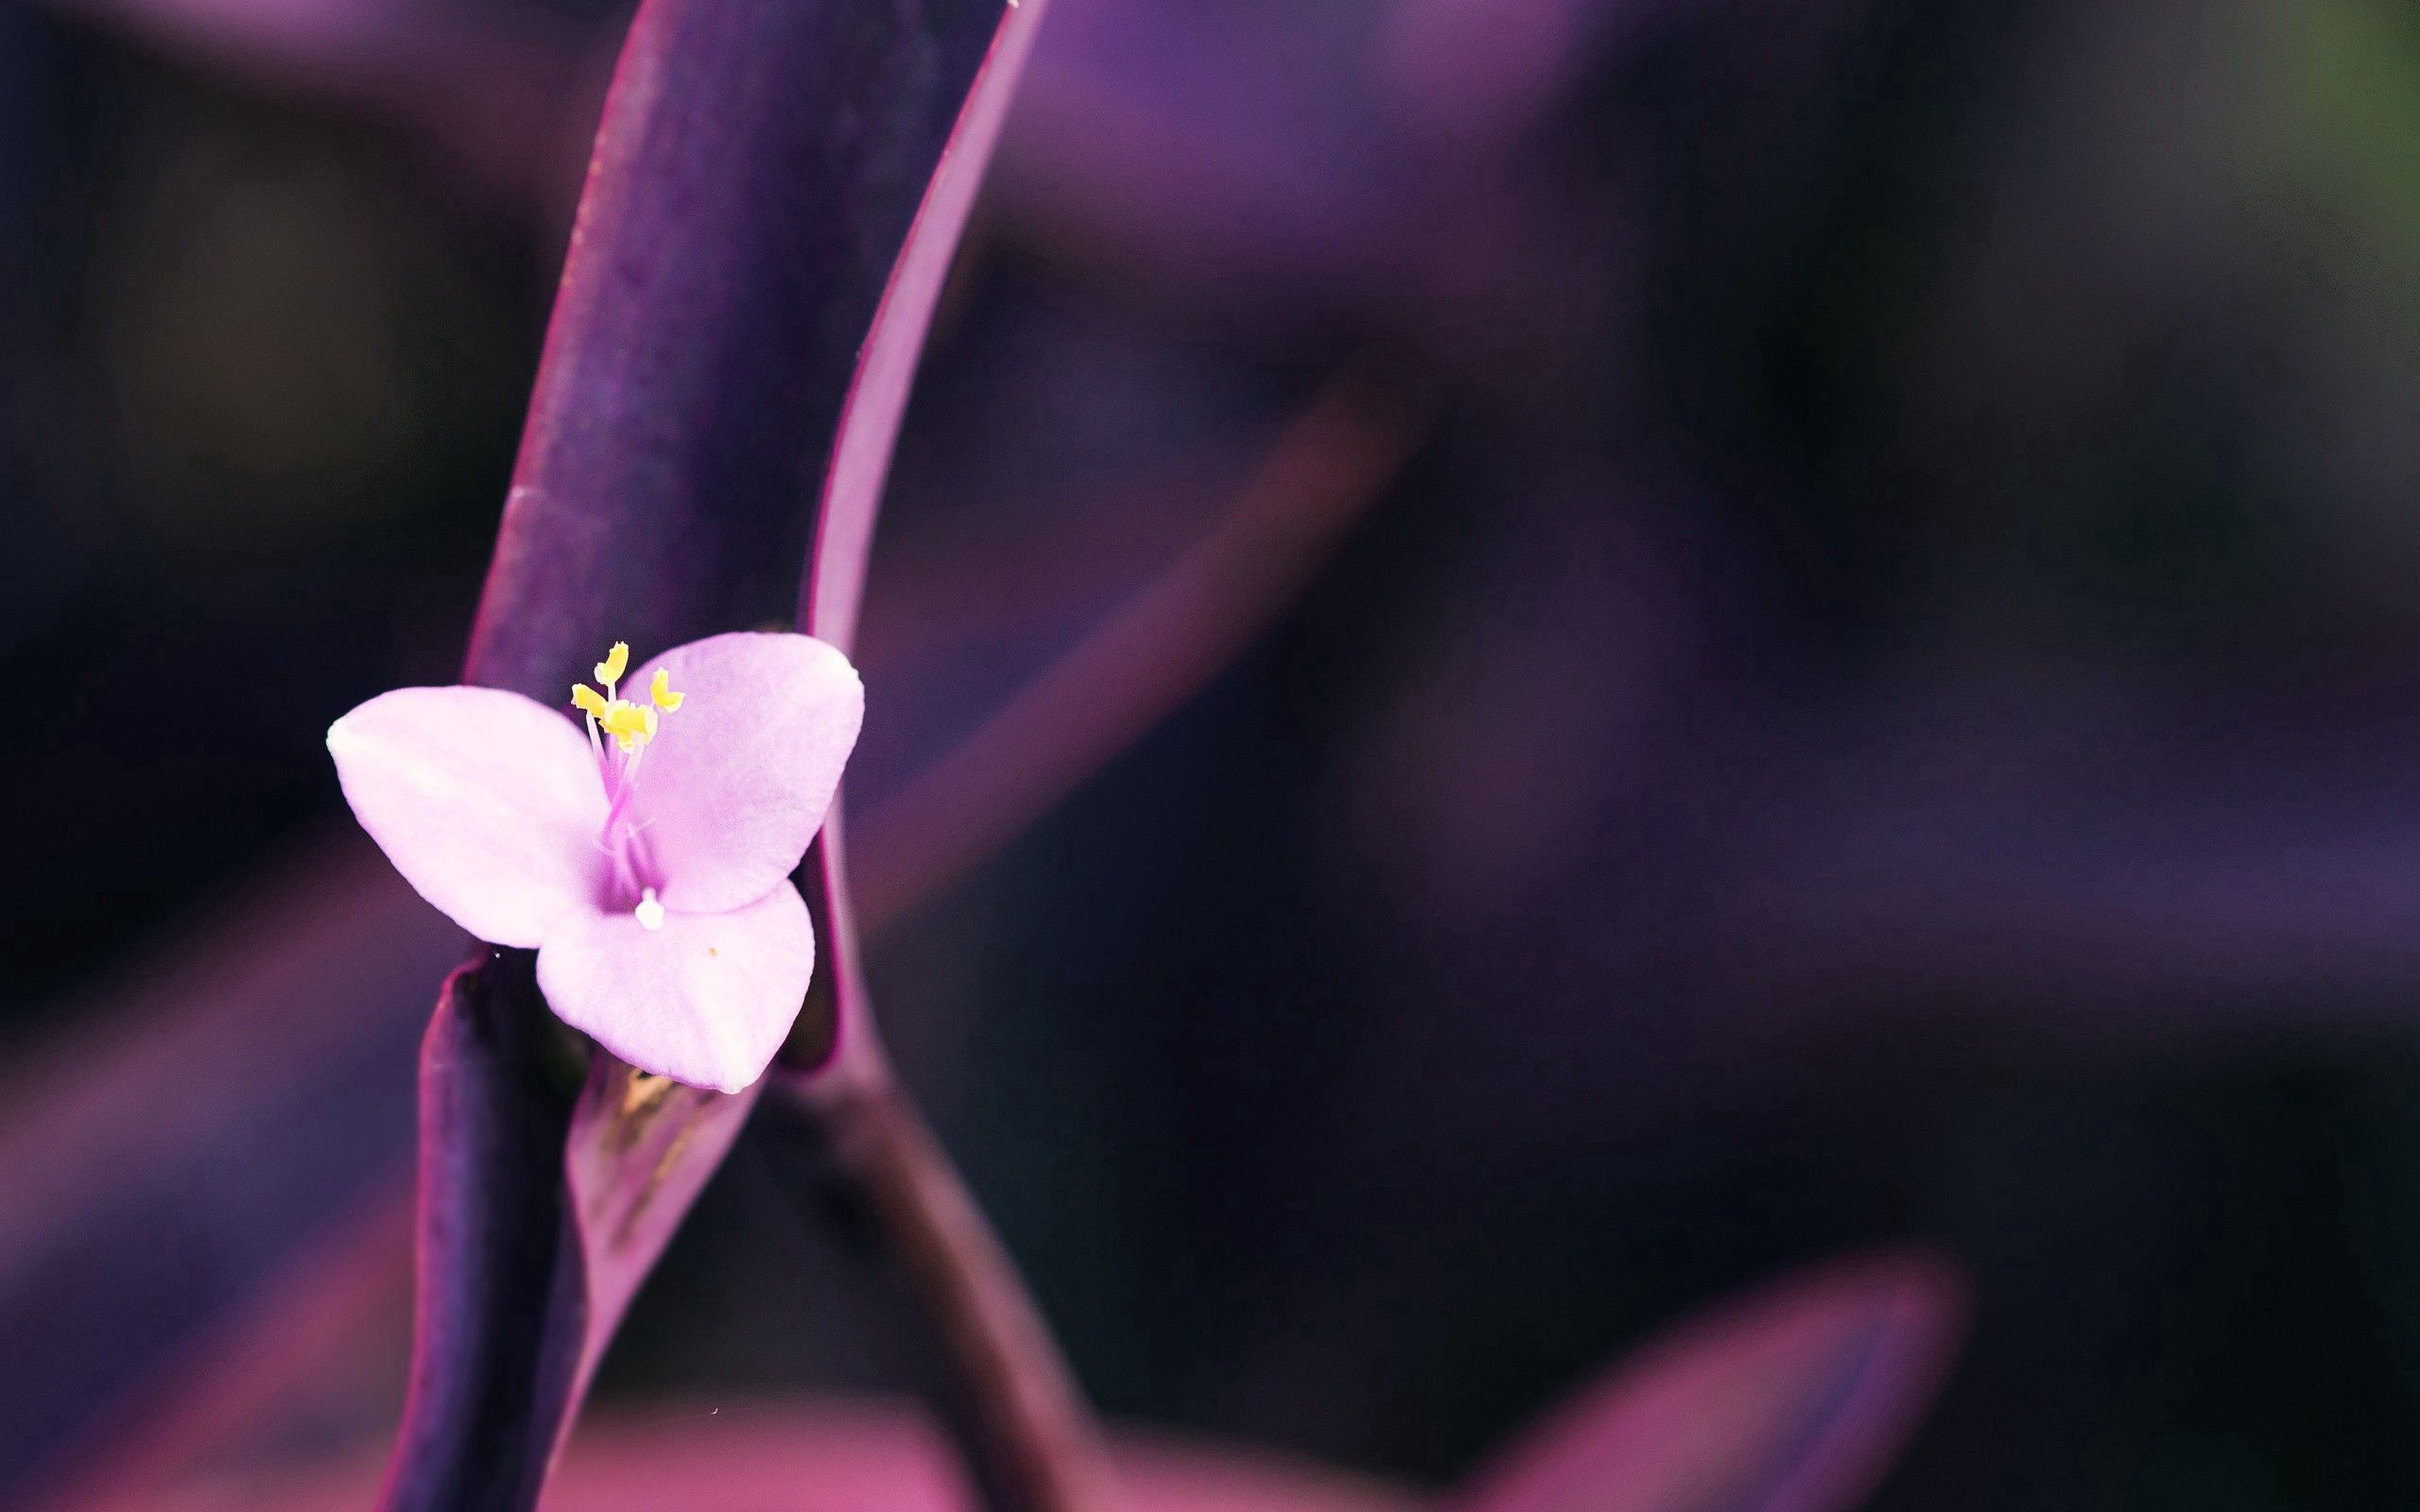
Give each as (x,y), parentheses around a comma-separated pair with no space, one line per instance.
(706,999)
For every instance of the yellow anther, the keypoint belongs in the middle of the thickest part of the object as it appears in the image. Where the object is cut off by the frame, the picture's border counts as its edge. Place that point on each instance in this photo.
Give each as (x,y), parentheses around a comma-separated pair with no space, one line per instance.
(630,723)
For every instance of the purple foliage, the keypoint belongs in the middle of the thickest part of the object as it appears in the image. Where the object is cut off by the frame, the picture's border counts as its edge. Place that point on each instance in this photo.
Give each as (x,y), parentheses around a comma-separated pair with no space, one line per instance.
(772,211)
(1794,1399)
(757,224)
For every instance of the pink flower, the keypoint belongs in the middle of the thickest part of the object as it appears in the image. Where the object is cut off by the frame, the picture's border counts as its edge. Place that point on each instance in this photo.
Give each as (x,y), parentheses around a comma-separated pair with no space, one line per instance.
(647,862)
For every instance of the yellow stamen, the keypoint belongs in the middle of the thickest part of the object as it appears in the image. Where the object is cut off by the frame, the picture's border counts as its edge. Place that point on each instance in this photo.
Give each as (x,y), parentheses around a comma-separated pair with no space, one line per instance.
(630,723)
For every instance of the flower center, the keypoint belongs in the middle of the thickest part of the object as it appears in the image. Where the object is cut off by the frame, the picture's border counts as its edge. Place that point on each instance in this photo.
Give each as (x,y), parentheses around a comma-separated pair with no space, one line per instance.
(631,725)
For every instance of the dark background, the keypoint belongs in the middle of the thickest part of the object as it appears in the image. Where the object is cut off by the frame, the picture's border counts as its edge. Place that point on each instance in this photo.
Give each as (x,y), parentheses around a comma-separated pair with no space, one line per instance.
(1883,705)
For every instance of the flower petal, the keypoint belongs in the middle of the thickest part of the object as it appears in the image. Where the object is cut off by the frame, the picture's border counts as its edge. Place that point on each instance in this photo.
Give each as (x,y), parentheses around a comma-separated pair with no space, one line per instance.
(487,801)
(706,999)
(737,782)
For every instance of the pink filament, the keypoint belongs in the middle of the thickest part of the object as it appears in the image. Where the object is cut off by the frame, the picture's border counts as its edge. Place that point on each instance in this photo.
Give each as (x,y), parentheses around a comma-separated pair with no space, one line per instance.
(633,870)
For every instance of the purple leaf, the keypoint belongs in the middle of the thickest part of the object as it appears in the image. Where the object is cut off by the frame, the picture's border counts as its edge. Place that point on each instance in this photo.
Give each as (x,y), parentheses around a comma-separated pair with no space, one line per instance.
(641,1150)
(199,1128)
(835,1026)
(313,1354)
(1131,663)
(754,182)
(770,1456)
(2101,870)
(1793,1399)
(310,1361)
(1362,154)
(841,1459)
(1207,574)
(496,1335)
(769,215)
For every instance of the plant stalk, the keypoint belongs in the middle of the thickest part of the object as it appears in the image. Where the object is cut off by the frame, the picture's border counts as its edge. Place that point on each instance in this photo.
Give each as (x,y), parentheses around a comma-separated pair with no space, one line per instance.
(1031,1440)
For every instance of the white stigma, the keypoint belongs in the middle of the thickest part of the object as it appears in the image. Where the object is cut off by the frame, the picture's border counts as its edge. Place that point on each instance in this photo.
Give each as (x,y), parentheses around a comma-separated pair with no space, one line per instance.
(650,912)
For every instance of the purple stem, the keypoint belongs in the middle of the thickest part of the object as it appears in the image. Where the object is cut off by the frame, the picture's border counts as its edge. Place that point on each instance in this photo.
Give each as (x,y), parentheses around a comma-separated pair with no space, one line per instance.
(1032,1443)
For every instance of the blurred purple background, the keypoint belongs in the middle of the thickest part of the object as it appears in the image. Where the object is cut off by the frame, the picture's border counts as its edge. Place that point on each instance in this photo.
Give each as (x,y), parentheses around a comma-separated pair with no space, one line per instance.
(1703,633)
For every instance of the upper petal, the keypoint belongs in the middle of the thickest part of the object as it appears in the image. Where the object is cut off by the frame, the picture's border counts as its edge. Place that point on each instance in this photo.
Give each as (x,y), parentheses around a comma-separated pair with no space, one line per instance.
(737,782)
(487,801)
(706,999)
